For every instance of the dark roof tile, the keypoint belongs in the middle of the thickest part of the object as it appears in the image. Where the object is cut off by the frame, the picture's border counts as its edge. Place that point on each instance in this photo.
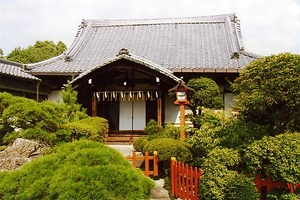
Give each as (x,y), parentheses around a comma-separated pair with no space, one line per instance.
(212,42)
(15,69)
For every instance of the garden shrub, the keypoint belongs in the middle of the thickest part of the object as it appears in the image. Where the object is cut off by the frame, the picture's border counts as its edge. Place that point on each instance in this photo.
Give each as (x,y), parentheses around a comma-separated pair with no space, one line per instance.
(282,194)
(171,131)
(220,182)
(167,148)
(93,128)
(278,157)
(78,170)
(153,130)
(139,143)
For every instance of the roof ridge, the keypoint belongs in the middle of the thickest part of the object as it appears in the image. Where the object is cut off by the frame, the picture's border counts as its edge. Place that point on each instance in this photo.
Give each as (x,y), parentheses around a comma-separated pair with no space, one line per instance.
(198,19)
(50,60)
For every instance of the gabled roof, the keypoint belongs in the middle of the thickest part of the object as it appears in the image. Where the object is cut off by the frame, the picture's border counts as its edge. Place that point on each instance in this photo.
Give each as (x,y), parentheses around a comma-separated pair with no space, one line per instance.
(125,55)
(15,69)
(211,43)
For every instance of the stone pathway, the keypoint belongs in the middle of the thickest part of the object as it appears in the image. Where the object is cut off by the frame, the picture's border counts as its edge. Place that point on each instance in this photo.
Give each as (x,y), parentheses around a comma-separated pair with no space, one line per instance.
(157,193)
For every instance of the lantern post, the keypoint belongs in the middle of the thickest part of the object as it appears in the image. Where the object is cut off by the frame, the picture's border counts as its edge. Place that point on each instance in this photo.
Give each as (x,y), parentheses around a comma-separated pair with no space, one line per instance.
(181,91)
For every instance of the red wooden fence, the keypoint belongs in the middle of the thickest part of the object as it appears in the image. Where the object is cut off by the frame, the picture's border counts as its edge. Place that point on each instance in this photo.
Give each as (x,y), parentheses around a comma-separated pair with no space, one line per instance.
(185,181)
(134,158)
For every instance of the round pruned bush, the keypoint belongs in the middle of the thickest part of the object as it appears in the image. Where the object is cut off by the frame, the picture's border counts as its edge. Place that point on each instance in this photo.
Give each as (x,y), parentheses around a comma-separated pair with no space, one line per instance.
(92,128)
(139,143)
(168,148)
(153,130)
(78,170)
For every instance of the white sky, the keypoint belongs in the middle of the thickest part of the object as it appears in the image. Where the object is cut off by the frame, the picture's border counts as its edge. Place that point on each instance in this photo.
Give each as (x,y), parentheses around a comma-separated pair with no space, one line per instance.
(268,26)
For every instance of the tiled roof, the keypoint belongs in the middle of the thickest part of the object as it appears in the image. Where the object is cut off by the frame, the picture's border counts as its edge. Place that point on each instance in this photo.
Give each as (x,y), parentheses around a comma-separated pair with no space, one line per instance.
(183,44)
(134,59)
(15,69)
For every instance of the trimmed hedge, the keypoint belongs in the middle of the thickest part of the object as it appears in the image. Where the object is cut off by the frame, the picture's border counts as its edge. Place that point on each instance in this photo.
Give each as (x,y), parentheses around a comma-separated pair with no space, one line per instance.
(92,128)
(78,170)
(168,148)
(139,143)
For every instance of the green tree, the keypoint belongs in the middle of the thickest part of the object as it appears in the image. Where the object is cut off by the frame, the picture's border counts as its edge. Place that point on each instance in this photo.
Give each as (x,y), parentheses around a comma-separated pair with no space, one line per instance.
(206,94)
(269,93)
(42,50)
(1,53)
(77,170)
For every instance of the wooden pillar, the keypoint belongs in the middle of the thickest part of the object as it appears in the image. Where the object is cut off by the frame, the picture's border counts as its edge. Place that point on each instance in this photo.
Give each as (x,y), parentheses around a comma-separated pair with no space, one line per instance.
(94,105)
(182,121)
(159,111)
(37,91)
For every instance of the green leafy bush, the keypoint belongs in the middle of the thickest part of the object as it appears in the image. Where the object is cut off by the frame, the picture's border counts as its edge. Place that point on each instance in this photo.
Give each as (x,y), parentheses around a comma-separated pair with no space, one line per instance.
(278,157)
(78,170)
(167,148)
(220,182)
(139,143)
(171,131)
(153,130)
(46,121)
(268,93)
(282,194)
(93,128)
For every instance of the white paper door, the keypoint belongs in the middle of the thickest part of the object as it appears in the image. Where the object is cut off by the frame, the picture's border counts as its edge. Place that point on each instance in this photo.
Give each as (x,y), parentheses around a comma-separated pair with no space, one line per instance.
(132,115)
(139,115)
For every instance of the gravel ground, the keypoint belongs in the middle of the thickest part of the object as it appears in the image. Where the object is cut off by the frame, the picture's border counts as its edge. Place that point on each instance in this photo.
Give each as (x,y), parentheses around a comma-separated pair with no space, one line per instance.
(125,149)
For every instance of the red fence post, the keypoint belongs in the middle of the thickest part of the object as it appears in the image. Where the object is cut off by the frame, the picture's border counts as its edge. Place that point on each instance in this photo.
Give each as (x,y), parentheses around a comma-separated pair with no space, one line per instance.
(173,178)
(155,163)
(147,163)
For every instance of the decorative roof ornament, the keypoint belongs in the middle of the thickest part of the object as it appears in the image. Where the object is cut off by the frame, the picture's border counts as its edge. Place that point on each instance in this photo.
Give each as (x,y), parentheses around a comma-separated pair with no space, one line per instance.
(123,51)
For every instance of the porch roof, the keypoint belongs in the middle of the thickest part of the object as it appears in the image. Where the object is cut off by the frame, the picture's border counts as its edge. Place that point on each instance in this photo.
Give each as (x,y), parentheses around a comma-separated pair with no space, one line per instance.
(211,43)
(125,55)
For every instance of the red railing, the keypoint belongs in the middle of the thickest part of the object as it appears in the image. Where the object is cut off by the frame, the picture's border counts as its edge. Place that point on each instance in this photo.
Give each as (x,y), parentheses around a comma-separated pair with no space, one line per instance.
(148,170)
(184,180)
(268,184)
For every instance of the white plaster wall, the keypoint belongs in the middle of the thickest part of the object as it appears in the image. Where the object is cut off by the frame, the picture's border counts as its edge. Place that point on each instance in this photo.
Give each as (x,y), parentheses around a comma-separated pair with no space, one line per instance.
(172,112)
(55,96)
(229,101)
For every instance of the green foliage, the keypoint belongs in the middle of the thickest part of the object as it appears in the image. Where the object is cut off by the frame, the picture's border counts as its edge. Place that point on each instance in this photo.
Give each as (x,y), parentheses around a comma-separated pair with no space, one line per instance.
(282,194)
(268,93)
(45,121)
(139,143)
(171,131)
(42,50)
(278,157)
(73,111)
(29,114)
(77,170)
(218,182)
(167,148)
(206,94)
(205,138)
(153,130)
(92,128)
(221,130)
